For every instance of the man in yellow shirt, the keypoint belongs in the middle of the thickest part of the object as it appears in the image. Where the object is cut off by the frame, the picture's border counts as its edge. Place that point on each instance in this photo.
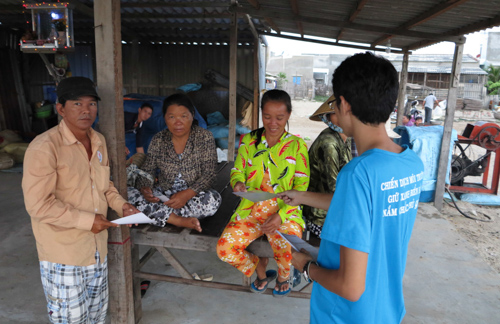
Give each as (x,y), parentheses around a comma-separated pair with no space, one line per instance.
(67,192)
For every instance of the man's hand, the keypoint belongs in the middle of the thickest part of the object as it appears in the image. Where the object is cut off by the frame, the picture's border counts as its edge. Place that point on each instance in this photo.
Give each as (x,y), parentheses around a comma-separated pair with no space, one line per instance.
(129,209)
(291,197)
(101,224)
(179,200)
(272,224)
(147,193)
(299,259)
(240,187)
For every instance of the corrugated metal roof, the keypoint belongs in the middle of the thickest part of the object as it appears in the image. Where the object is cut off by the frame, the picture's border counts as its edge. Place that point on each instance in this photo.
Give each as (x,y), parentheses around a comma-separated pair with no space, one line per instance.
(368,23)
(438,69)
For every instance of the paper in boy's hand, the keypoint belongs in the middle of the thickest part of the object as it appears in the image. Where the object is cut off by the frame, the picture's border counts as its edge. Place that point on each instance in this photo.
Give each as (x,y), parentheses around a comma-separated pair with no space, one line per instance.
(298,244)
(138,218)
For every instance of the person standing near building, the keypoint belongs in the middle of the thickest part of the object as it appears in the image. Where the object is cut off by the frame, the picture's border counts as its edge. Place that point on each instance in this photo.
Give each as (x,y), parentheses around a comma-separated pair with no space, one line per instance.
(358,276)
(67,191)
(429,103)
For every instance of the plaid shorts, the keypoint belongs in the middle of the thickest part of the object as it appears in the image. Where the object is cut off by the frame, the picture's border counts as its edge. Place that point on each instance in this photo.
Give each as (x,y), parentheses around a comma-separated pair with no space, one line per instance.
(76,294)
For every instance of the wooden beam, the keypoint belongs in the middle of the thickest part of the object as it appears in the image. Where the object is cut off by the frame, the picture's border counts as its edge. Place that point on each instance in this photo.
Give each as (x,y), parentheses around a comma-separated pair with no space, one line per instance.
(110,84)
(256,85)
(254,4)
(252,27)
(448,126)
(233,64)
(131,16)
(424,17)
(200,4)
(402,89)
(365,48)
(295,10)
(271,23)
(359,6)
(347,25)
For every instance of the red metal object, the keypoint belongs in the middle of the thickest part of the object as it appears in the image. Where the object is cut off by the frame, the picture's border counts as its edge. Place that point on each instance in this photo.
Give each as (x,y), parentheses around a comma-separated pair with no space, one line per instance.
(487,136)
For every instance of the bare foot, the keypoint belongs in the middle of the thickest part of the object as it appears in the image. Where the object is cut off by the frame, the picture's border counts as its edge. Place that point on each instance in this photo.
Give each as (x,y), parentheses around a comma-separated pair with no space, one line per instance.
(261,272)
(188,222)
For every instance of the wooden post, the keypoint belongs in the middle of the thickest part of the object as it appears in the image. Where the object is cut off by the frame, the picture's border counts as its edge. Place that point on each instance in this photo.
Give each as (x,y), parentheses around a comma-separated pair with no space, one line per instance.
(233,47)
(402,89)
(110,84)
(256,84)
(448,126)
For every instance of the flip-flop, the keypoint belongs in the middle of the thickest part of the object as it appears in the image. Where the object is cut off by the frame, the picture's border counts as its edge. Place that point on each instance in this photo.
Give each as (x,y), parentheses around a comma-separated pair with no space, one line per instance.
(144,287)
(278,293)
(270,276)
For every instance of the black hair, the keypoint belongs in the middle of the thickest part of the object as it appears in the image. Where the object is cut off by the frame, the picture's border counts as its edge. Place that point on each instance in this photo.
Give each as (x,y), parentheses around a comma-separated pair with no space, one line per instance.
(146,105)
(408,116)
(180,99)
(272,95)
(369,83)
(418,117)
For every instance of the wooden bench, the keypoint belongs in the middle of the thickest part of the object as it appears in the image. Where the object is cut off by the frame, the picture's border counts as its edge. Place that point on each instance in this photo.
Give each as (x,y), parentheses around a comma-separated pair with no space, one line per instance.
(163,239)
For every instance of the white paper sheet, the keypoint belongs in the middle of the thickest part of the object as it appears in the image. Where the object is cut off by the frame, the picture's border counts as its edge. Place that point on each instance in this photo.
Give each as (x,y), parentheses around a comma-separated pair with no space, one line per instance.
(138,218)
(297,244)
(163,198)
(256,195)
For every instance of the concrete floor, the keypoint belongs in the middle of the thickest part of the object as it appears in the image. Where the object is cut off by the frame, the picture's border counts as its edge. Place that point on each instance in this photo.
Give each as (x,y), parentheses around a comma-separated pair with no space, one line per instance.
(446,280)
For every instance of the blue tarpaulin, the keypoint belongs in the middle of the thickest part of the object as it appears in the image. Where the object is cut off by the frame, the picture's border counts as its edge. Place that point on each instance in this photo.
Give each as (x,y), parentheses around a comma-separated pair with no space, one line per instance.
(426,142)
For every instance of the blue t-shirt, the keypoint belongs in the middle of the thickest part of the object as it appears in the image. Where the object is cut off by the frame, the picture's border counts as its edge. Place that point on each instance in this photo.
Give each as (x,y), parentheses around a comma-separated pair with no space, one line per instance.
(373,211)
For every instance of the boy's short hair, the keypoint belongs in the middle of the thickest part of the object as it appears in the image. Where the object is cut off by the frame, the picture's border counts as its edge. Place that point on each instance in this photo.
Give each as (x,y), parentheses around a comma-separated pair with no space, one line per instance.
(418,117)
(370,84)
(146,105)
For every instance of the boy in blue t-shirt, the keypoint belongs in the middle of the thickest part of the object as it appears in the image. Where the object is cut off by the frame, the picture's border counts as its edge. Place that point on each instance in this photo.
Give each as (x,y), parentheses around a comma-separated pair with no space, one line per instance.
(362,257)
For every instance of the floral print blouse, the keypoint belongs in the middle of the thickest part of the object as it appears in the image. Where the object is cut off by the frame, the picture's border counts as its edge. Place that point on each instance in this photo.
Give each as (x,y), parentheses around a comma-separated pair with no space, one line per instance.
(288,165)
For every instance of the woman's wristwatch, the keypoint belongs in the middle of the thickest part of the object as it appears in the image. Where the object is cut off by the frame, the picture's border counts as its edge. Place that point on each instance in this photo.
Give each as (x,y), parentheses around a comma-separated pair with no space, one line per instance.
(306,272)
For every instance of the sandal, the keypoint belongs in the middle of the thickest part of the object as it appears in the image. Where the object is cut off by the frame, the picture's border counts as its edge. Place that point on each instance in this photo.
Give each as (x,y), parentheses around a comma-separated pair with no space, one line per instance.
(270,276)
(278,293)
(144,287)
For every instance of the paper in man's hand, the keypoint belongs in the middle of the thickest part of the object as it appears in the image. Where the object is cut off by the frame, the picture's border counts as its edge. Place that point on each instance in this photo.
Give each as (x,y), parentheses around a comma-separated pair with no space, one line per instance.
(298,244)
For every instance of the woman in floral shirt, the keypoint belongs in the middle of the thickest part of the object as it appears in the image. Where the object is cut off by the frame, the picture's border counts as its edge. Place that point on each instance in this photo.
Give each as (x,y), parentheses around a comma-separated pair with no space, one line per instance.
(273,160)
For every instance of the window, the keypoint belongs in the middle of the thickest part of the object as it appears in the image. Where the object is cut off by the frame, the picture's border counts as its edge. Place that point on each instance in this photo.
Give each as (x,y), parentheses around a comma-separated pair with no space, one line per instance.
(296,80)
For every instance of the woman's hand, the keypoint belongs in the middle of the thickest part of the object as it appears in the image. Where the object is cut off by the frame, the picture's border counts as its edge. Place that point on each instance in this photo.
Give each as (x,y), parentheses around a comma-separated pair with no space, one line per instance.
(272,224)
(179,199)
(291,197)
(240,187)
(147,193)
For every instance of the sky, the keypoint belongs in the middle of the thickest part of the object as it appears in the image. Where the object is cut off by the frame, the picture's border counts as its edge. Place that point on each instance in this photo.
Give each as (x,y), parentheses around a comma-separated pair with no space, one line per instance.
(474,45)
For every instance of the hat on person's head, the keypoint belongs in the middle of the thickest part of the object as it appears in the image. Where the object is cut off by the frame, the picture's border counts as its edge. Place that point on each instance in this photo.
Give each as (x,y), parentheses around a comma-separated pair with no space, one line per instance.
(76,87)
(323,109)
(390,132)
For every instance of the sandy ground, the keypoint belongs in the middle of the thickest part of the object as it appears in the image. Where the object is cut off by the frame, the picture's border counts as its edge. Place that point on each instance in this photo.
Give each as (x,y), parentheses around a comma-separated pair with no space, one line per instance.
(484,236)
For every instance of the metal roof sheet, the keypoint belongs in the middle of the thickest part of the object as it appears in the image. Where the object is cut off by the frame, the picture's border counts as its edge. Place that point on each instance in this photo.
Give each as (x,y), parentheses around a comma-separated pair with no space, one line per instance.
(370,24)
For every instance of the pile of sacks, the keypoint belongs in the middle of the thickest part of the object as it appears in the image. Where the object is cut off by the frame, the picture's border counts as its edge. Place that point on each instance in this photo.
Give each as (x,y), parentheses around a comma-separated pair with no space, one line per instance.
(219,126)
(12,149)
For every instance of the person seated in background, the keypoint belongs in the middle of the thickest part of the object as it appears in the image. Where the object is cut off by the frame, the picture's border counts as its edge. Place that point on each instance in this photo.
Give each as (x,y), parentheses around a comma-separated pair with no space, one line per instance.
(407,120)
(327,155)
(133,124)
(184,159)
(269,159)
(418,120)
